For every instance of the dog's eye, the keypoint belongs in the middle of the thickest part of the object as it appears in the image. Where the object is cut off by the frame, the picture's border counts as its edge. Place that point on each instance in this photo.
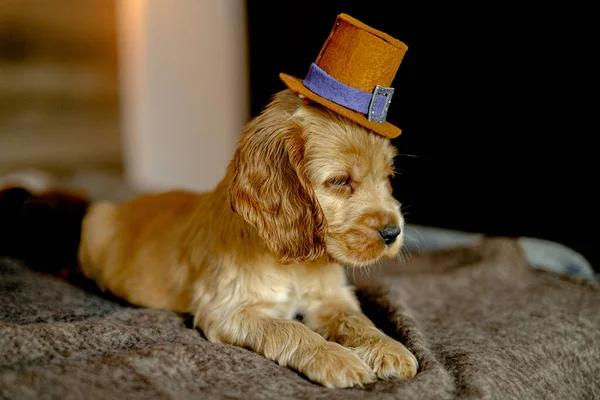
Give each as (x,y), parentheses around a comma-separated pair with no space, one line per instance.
(339,181)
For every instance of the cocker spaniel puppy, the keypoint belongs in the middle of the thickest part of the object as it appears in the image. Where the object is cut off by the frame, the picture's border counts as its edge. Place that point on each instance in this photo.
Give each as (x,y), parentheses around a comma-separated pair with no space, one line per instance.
(307,192)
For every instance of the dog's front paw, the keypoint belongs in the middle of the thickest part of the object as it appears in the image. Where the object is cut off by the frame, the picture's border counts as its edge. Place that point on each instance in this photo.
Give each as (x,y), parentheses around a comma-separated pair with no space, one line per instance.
(334,366)
(388,358)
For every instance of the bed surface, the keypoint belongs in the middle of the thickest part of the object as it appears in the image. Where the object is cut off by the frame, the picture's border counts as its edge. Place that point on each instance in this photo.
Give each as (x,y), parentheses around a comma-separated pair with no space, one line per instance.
(481,321)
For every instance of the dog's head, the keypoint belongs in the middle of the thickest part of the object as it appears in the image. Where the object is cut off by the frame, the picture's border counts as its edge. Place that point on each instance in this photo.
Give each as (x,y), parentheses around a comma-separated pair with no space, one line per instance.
(314,183)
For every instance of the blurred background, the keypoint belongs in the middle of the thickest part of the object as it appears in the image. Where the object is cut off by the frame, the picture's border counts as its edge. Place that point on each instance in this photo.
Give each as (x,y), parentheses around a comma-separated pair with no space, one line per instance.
(156,93)
(59,88)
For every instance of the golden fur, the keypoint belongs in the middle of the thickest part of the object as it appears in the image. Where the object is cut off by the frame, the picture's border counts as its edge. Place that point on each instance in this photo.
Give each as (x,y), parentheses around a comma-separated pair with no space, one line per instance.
(306,192)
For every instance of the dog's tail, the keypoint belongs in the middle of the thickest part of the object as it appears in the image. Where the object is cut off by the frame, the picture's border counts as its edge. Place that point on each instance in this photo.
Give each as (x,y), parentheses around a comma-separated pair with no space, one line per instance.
(42,228)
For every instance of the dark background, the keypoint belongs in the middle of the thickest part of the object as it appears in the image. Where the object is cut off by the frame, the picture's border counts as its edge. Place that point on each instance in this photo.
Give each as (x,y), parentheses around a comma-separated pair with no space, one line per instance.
(497,139)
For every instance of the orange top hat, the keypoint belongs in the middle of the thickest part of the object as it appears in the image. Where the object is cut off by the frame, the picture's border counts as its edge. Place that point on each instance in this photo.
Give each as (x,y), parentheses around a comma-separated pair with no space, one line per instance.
(352,74)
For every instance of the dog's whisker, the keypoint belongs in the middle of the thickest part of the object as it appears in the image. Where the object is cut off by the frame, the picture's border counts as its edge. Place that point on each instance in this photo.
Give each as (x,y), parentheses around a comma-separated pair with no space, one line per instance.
(408,255)
(350,275)
(364,271)
(370,267)
(414,241)
(404,256)
(401,257)
(408,155)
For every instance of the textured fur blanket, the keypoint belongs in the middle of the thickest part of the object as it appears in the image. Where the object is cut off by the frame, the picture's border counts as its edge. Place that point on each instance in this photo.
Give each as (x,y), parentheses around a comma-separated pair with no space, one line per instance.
(481,322)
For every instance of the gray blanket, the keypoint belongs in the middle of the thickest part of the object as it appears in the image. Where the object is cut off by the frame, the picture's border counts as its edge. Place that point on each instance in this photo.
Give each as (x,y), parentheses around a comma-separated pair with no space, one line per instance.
(481,322)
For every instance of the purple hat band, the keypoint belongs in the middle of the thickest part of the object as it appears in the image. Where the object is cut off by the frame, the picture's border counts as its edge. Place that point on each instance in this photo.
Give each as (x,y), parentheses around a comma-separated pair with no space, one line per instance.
(374,105)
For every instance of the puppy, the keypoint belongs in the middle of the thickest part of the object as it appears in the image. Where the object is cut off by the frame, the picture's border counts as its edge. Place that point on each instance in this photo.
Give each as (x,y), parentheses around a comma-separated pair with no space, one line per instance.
(307,192)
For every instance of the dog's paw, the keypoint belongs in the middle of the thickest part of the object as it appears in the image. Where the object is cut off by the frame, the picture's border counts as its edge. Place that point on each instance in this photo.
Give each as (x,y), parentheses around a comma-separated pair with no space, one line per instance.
(334,366)
(388,358)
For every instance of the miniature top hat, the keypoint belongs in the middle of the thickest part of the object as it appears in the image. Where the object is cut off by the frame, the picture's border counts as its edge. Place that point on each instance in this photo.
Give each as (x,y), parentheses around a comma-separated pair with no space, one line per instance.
(352,74)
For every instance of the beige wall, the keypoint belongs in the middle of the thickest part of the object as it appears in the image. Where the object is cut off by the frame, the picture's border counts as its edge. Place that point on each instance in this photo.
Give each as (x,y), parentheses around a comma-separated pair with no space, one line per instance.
(58,84)
(154,88)
(184,90)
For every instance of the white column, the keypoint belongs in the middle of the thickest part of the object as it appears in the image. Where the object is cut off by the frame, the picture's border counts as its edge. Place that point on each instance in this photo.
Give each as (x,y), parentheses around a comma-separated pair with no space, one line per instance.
(184,95)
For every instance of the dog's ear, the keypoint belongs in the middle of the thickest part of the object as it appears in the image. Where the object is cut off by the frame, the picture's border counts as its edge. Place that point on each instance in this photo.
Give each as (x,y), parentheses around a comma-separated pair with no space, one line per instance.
(270,190)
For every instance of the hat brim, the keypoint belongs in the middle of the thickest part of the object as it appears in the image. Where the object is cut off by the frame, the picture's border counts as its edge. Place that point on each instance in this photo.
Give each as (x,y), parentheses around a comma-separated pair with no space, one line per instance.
(384,129)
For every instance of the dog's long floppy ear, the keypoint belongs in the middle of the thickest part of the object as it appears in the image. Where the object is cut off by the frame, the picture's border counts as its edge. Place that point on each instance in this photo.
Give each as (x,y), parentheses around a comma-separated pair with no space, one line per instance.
(269,189)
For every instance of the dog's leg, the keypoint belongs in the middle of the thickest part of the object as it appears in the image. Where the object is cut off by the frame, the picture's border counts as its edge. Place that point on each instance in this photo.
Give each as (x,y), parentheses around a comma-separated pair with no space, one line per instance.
(292,344)
(341,322)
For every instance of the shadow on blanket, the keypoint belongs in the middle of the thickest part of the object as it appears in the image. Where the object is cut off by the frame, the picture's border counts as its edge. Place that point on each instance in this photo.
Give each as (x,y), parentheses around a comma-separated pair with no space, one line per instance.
(481,321)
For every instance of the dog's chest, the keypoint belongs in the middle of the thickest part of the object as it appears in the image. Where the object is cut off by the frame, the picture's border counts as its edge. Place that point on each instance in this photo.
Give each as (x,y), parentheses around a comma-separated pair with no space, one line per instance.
(304,289)
(291,302)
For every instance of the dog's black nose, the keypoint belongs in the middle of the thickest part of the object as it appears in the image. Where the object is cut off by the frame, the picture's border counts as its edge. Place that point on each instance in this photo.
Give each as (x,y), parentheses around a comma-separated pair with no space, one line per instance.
(389,233)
